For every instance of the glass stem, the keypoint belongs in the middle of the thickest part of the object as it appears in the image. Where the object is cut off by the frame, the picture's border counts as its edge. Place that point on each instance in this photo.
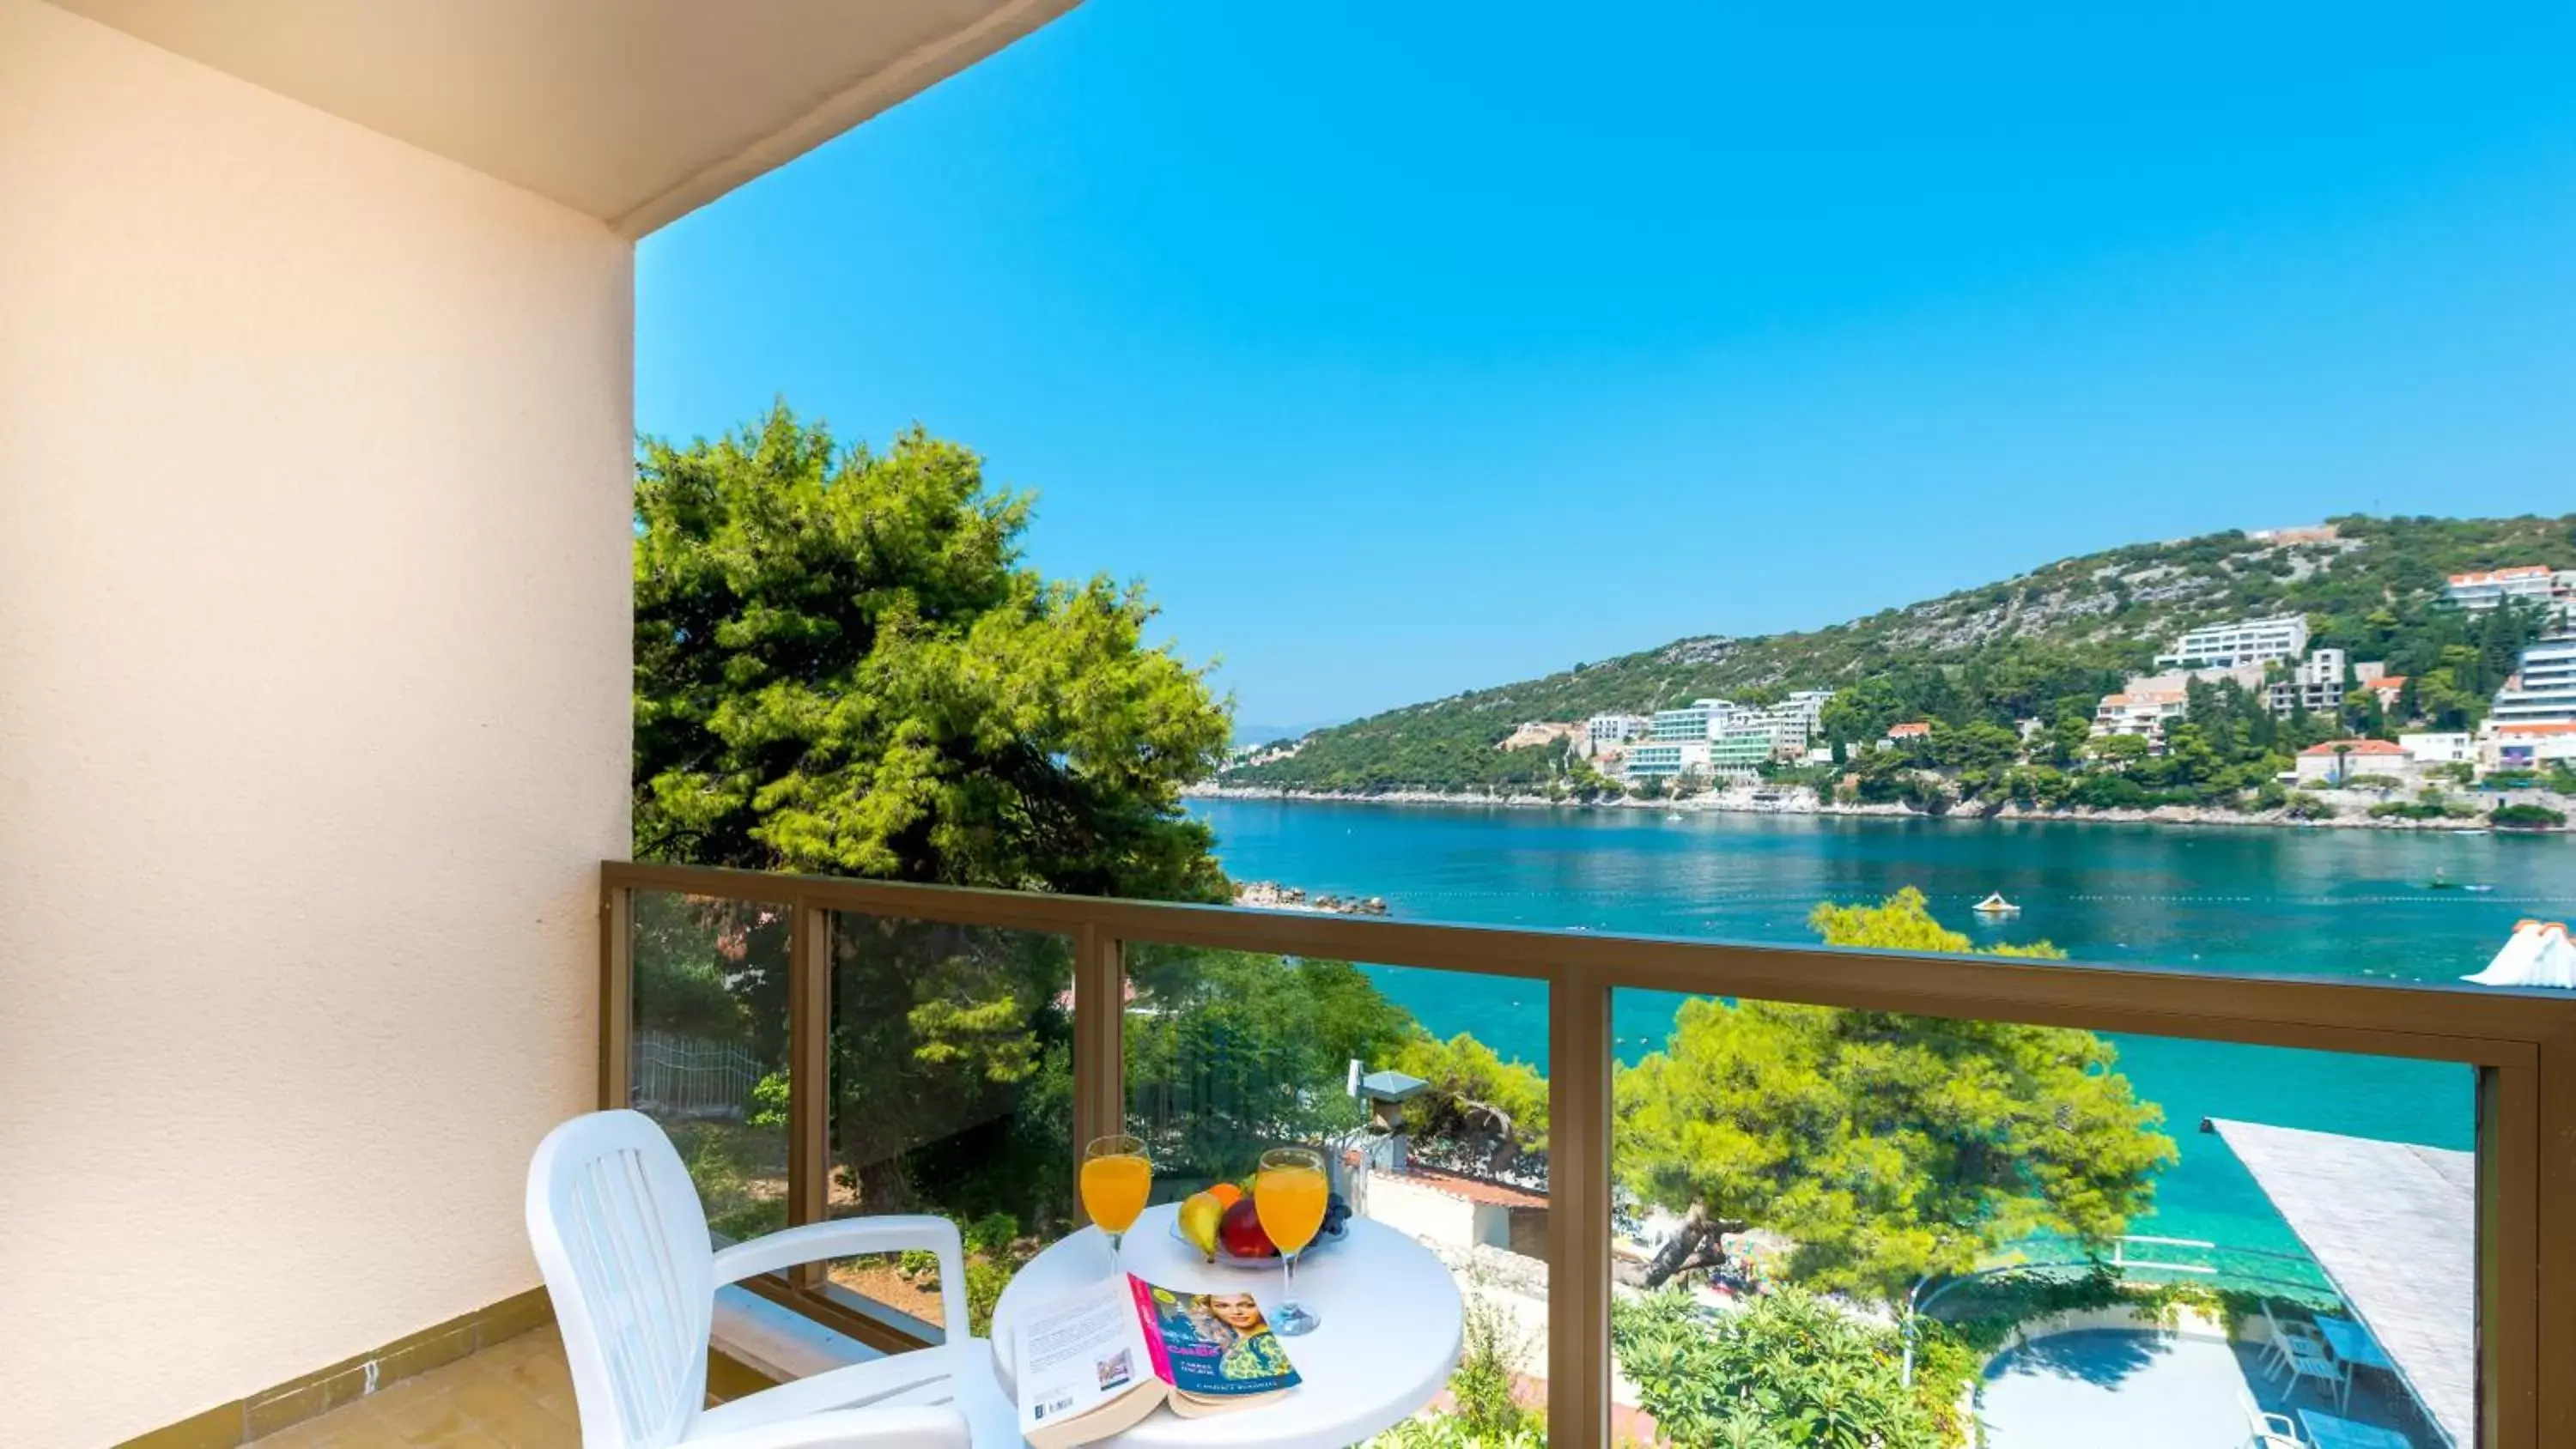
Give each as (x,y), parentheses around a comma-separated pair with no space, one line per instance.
(1288,1294)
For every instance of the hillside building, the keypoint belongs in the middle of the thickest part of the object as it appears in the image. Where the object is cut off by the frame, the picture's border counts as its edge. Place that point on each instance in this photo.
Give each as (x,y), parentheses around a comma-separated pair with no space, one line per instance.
(1700,720)
(2316,685)
(1606,730)
(2486,589)
(1742,749)
(2336,761)
(2245,641)
(2543,692)
(1666,759)
(2528,747)
(2141,712)
(2440,748)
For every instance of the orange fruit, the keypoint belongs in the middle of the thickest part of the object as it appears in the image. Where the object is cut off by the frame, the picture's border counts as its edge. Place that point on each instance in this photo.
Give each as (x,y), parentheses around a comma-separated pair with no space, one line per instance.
(1226,1193)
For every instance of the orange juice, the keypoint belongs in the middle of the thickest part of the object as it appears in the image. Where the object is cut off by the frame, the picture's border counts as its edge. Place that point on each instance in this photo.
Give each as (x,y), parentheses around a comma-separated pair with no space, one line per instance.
(1290,1201)
(1114,1190)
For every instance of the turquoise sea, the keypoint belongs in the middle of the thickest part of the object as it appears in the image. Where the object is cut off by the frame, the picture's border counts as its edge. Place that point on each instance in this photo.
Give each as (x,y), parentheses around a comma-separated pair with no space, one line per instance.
(2340,903)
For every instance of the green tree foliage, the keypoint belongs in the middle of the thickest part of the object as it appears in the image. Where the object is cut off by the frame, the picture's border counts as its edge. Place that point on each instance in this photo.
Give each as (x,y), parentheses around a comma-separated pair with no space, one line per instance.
(1887,1147)
(1788,1371)
(1232,1052)
(841,666)
(1480,1107)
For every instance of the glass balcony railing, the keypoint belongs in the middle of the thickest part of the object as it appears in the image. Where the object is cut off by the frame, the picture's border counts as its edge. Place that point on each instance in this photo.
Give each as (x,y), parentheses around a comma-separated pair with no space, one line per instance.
(707,1023)
(1680,1185)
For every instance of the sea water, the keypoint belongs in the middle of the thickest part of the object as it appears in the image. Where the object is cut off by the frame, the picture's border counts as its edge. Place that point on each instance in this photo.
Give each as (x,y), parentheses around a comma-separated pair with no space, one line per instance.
(2346,904)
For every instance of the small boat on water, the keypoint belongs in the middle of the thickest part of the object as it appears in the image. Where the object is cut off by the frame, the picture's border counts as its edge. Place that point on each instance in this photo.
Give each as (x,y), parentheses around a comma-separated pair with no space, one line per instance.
(1996,905)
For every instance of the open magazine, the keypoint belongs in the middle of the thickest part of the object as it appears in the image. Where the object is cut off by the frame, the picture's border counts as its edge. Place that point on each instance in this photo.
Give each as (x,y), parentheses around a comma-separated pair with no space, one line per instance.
(1096,1362)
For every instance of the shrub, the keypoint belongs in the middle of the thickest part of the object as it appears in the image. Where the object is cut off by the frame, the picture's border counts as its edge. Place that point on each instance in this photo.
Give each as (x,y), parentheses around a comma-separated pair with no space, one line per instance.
(2304,806)
(994,1251)
(1445,1432)
(1789,1371)
(2527,817)
(2374,782)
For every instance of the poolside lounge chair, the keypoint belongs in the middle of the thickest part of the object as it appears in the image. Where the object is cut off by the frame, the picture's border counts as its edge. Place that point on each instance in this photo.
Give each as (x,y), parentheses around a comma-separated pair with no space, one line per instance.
(2271,1431)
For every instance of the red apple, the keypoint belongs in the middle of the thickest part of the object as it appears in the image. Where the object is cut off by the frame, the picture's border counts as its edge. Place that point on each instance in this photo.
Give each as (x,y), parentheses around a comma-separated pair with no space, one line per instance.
(1239,1233)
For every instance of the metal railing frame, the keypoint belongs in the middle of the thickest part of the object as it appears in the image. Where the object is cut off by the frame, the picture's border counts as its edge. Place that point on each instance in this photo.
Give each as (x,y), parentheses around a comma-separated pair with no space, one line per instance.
(2522,1044)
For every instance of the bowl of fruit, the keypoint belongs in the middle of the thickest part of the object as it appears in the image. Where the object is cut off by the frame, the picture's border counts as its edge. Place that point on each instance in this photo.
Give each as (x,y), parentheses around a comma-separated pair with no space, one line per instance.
(1226,1229)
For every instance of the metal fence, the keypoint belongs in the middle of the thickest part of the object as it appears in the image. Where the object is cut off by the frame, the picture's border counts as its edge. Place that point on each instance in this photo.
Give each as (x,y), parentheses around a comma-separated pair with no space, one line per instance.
(692,1076)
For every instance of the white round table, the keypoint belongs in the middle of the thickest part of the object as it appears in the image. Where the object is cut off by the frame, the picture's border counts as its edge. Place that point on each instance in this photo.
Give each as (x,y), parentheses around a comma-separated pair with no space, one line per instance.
(1387,1343)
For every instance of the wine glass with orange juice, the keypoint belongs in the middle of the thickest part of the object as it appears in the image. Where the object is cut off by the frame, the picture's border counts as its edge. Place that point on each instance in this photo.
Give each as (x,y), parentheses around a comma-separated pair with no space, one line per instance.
(1290,1194)
(1116,1179)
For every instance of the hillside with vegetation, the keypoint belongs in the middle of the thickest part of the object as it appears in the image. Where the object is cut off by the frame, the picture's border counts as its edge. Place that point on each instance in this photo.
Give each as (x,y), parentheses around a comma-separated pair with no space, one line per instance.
(2045,645)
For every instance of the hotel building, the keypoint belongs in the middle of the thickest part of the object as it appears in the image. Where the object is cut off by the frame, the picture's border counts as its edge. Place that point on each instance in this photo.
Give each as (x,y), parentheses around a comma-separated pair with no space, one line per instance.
(2544,692)
(2246,641)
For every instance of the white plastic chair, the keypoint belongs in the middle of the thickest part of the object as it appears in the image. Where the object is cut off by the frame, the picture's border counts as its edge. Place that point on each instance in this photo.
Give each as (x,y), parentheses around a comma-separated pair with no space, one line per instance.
(2287,1340)
(2271,1431)
(622,1242)
(2305,1362)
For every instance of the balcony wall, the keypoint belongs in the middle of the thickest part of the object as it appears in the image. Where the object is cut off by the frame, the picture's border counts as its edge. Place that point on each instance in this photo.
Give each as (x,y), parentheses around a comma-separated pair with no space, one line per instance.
(314,471)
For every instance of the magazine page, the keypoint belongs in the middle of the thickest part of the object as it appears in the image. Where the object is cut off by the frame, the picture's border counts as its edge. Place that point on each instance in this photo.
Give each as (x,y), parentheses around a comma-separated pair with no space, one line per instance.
(1083,1367)
(1214,1348)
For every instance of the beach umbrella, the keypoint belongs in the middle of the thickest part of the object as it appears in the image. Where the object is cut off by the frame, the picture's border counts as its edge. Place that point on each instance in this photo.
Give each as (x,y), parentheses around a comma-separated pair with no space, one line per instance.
(2537,955)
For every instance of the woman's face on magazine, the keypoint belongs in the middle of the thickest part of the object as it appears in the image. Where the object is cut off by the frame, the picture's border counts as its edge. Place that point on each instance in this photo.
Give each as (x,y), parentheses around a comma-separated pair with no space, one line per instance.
(1235,1310)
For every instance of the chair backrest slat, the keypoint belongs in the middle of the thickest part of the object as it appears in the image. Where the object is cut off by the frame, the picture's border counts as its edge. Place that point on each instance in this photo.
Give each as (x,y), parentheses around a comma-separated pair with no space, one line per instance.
(623,1245)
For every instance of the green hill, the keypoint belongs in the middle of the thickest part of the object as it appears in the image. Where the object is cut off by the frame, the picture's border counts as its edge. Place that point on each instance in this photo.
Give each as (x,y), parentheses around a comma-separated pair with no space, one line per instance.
(2038,645)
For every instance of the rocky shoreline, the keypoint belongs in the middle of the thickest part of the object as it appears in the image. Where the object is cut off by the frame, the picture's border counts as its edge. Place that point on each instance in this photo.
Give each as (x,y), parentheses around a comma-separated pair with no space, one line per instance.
(1798,800)
(1270,895)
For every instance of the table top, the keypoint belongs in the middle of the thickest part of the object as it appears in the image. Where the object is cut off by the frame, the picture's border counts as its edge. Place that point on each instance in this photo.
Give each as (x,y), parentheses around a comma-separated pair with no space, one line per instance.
(2352,1343)
(2328,1431)
(1389,1338)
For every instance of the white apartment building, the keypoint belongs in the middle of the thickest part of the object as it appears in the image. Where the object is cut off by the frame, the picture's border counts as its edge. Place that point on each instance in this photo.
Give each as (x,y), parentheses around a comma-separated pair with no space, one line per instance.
(1806,704)
(2141,712)
(2485,590)
(1792,724)
(1665,759)
(1604,730)
(2245,641)
(2439,748)
(2544,692)
(2316,685)
(1700,720)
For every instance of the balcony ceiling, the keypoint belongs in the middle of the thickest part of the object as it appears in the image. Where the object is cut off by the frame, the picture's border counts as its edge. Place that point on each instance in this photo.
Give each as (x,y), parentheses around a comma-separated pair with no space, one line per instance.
(632,111)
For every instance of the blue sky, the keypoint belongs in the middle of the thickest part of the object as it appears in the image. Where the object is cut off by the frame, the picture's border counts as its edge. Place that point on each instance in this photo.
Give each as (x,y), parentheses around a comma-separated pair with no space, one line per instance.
(1402,349)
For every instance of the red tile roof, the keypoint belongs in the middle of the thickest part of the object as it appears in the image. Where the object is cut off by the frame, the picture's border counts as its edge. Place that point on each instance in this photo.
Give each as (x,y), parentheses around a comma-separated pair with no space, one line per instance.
(2354,747)
(1475,1189)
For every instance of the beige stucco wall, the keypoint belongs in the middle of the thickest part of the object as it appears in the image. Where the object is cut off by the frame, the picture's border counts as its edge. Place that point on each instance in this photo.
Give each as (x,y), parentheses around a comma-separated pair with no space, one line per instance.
(314,471)
(1418,1211)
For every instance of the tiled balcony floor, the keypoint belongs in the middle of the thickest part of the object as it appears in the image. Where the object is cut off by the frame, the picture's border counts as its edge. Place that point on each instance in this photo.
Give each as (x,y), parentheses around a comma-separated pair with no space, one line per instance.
(514,1395)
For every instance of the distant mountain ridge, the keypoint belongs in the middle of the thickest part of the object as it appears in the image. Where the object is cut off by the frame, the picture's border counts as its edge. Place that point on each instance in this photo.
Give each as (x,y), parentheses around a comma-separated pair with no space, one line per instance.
(2024,646)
